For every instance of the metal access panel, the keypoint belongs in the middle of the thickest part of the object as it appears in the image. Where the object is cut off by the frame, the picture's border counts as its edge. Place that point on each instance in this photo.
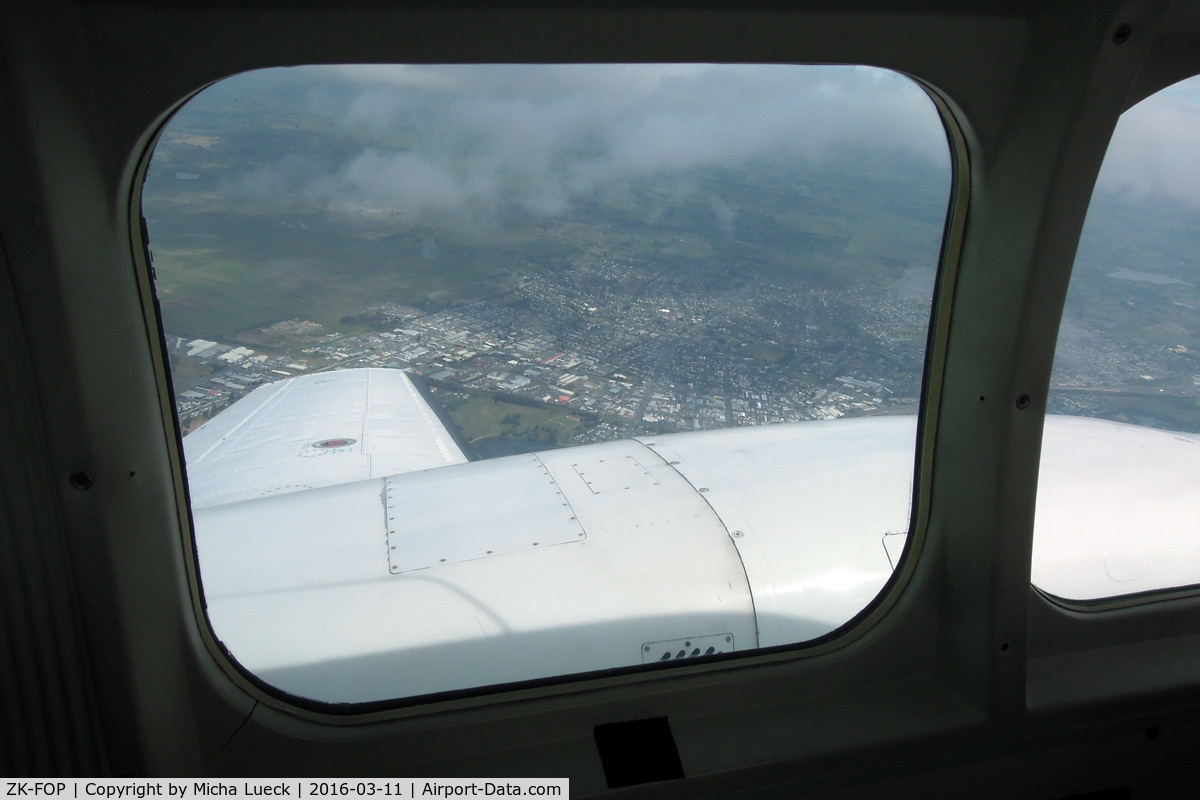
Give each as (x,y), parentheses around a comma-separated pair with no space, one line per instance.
(448,515)
(614,474)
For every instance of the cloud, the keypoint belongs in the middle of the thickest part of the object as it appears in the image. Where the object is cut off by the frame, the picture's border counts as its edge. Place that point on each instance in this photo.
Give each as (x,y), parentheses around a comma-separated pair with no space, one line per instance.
(724,215)
(1155,149)
(285,177)
(461,140)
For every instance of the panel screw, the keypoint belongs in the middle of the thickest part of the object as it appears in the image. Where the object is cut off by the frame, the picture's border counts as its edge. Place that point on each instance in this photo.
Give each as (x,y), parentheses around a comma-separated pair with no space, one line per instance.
(1122,33)
(81,481)
(1022,401)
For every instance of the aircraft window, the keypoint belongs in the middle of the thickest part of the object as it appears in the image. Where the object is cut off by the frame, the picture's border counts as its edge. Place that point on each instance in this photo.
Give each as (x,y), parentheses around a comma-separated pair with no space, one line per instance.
(1120,467)
(490,374)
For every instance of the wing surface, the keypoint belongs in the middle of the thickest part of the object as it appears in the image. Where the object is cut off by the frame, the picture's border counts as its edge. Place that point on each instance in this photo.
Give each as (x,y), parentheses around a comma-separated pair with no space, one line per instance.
(390,578)
(587,558)
(1116,509)
(316,430)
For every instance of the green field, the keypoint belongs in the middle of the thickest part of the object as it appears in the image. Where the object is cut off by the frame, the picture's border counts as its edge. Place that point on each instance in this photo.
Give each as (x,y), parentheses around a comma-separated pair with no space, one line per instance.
(481,416)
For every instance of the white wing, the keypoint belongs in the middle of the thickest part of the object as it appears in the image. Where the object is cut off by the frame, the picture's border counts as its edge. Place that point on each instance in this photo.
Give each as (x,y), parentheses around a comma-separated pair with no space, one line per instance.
(390,579)
(1116,509)
(316,430)
(532,566)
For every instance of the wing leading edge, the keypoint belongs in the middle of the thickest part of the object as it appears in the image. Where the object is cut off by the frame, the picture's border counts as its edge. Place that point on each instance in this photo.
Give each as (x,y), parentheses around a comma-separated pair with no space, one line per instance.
(316,430)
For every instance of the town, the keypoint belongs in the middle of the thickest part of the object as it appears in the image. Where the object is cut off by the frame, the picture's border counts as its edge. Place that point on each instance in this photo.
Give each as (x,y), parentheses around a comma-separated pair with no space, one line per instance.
(619,348)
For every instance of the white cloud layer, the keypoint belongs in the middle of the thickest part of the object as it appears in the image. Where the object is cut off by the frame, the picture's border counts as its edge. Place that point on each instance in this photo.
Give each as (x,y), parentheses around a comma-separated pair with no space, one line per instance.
(462,139)
(1155,149)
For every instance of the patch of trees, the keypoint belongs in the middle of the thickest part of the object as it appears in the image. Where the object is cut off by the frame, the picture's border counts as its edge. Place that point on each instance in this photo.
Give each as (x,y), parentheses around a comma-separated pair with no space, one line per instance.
(377,321)
(517,400)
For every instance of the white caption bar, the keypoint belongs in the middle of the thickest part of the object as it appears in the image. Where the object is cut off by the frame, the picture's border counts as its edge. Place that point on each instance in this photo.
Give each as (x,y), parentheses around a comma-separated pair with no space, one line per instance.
(196,788)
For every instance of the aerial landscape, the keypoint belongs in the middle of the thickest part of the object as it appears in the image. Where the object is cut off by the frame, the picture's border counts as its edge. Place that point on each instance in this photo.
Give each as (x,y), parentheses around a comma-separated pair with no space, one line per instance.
(576,254)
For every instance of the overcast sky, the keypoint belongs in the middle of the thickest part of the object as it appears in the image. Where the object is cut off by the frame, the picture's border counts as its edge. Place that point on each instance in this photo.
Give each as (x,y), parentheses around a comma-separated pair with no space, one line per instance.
(544,136)
(1155,150)
(459,139)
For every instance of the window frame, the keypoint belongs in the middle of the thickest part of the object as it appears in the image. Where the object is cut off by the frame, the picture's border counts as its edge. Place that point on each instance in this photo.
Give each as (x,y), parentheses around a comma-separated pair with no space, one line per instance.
(1127,600)
(936,348)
